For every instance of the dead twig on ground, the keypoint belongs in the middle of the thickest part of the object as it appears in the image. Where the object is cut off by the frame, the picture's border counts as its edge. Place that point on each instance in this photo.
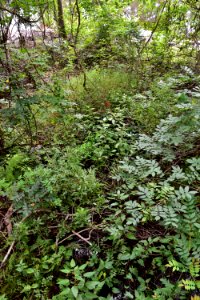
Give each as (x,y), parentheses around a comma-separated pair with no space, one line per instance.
(80,236)
(7,255)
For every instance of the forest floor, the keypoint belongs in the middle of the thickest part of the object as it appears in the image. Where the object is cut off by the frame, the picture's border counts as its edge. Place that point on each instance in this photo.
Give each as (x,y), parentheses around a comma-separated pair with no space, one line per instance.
(99,186)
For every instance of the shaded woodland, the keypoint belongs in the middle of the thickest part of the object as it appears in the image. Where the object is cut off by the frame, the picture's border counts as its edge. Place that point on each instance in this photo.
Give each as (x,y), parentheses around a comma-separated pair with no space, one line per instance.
(99,149)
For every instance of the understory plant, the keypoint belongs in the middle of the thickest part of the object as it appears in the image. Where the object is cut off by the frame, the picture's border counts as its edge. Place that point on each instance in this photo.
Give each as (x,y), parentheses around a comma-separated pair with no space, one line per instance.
(113,216)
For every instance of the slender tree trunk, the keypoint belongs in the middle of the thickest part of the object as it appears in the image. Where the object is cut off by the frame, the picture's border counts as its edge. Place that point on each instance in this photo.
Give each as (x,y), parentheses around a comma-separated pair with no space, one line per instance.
(60,20)
(197,66)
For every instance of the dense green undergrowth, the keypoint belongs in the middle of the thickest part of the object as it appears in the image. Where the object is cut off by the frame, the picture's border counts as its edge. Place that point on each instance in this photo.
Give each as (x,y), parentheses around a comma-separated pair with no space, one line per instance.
(100,196)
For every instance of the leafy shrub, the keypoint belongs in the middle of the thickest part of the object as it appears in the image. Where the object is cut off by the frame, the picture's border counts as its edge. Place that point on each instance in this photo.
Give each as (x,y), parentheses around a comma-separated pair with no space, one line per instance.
(62,181)
(110,138)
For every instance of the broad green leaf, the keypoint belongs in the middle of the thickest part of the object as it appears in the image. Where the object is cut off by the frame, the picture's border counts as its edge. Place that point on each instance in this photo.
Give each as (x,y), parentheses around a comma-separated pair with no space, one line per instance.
(72,263)
(91,285)
(89,274)
(63,282)
(74,290)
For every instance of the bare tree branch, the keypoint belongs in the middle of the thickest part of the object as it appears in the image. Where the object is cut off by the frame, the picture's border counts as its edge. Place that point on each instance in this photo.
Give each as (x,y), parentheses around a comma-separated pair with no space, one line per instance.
(155,28)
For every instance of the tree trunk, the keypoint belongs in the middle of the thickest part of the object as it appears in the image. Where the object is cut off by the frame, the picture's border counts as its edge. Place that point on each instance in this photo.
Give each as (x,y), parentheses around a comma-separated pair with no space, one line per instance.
(60,20)
(197,66)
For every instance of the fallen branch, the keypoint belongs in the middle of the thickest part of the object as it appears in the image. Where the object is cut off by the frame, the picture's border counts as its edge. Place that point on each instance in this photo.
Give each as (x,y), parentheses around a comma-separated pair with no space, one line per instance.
(77,234)
(82,238)
(7,255)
